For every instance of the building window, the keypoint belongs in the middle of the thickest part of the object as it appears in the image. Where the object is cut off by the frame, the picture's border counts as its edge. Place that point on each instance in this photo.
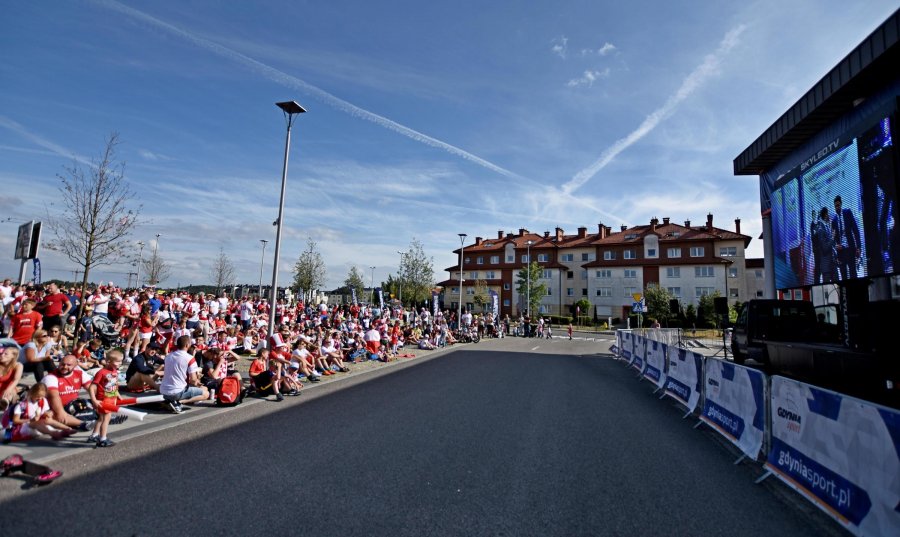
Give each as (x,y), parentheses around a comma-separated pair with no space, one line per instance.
(506,286)
(543,258)
(673,252)
(732,292)
(609,255)
(674,291)
(547,274)
(570,291)
(629,254)
(524,258)
(759,274)
(468,259)
(549,291)
(567,257)
(651,252)
(587,257)
(673,272)
(630,291)
(489,275)
(732,272)
(606,273)
(583,292)
(703,291)
(495,260)
(583,274)
(470,290)
(473,275)
(759,293)
(631,236)
(604,291)
(630,273)
(698,251)
(511,258)
(454,290)
(479,260)
(798,294)
(506,302)
(728,251)
(704,272)
(570,274)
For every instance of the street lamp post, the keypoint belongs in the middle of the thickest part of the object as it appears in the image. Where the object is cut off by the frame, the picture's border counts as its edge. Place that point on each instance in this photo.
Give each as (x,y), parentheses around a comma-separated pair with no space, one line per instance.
(261,260)
(528,278)
(290,109)
(140,262)
(156,263)
(400,276)
(462,249)
(372,286)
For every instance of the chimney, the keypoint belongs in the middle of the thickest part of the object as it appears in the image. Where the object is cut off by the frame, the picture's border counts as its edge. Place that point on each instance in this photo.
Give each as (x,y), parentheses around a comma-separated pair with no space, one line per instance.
(737,226)
(546,234)
(665,220)
(608,230)
(687,223)
(653,223)
(522,231)
(601,231)
(582,232)
(499,234)
(559,234)
(709,218)
(624,227)
(478,241)
(509,235)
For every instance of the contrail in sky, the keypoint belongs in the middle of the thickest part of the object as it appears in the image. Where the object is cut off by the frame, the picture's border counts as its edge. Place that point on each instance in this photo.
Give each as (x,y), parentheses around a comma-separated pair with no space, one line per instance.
(291,81)
(7,123)
(697,77)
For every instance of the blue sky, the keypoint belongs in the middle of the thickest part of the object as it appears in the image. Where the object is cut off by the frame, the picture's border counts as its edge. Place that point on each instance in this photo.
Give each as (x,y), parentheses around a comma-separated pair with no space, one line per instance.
(424,119)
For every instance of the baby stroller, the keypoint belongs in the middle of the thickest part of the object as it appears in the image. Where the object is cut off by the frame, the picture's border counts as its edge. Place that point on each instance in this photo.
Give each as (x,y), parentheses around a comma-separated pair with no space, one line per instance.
(104,329)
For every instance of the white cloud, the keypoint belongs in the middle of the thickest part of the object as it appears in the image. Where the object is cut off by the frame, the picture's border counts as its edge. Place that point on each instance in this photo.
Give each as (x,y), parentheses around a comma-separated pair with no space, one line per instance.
(607,48)
(690,84)
(560,46)
(150,155)
(588,78)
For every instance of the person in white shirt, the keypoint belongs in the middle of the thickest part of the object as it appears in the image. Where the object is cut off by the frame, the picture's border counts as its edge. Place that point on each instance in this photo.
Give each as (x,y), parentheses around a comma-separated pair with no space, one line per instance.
(181,377)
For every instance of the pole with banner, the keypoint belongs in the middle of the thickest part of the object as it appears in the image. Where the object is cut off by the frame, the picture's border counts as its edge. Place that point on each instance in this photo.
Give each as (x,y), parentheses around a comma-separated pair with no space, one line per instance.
(434,302)
(36,274)
(380,293)
(353,295)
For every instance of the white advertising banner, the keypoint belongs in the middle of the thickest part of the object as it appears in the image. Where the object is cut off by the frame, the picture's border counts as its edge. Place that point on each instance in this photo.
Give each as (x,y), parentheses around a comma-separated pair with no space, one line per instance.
(614,349)
(841,453)
(735,404)
(684,377)
(627,348)
(639,352)
(655,358)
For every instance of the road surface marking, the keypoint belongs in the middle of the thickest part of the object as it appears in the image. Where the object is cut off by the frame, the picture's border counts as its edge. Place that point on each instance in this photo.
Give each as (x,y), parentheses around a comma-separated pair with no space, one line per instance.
(536,348)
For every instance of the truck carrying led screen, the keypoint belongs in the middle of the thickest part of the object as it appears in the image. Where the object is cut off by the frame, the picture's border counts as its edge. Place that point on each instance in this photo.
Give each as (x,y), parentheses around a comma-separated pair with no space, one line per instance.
(834,216)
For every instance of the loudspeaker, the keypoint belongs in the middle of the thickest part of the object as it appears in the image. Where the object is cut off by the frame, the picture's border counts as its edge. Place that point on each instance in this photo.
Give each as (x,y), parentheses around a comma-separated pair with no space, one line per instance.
(674,307)
(721,305)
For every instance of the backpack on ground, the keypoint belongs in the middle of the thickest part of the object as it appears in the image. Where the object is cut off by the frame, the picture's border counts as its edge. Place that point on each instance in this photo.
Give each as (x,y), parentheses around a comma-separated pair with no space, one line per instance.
(229,392)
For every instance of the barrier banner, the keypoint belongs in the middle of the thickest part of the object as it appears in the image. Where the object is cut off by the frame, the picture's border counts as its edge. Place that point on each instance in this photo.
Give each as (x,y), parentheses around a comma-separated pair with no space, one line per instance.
(841,453)
(640,351)
(655,359)
(627,349)
(434,303)
(684,377)
(735,404)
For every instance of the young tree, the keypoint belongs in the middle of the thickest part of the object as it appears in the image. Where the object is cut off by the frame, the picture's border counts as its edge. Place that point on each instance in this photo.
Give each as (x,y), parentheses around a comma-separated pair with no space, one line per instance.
(657,300)
(416,273)
(309,271)
(96,216)
(222,271)
(706,312)
(156,268)
(355,281)
(481,297)
(538,289)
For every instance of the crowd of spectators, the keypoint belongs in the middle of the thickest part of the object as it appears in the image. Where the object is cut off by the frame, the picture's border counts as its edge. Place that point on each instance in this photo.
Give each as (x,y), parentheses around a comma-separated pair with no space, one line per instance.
(182,346)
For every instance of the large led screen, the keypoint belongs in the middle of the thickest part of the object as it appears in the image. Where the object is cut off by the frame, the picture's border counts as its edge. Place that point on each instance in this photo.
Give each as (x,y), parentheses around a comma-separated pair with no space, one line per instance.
(834,217)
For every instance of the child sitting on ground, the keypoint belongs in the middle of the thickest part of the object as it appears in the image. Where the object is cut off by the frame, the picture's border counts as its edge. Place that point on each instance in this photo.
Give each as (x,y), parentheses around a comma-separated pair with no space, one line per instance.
(265,376)
(105,388)
(32,417)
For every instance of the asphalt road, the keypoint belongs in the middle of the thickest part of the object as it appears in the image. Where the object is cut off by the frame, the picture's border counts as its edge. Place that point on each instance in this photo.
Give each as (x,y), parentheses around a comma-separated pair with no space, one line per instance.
(512,437)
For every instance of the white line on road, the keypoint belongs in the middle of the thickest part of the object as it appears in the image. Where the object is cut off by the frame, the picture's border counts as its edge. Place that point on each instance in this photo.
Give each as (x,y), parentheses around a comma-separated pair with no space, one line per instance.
(536,348)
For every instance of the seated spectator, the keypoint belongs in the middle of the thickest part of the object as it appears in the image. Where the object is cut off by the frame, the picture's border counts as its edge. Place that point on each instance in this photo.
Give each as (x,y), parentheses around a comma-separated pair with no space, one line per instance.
(69,328)
(90,354)
(218,364)
(181,377)
(64,385)
(37,355)
(145,370)
(10,370)
(305,363)
(61,344)
(332,353)
(266,376)
(31,417)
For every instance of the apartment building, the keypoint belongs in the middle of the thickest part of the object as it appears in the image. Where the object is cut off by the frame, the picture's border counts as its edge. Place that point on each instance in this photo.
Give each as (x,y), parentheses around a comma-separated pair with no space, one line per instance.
(607,268)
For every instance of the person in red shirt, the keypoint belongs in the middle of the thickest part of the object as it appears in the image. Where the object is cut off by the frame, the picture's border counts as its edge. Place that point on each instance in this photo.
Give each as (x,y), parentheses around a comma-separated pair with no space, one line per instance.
(105,388)
(26,322)
(63,386)
(10,370)
(55,303)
